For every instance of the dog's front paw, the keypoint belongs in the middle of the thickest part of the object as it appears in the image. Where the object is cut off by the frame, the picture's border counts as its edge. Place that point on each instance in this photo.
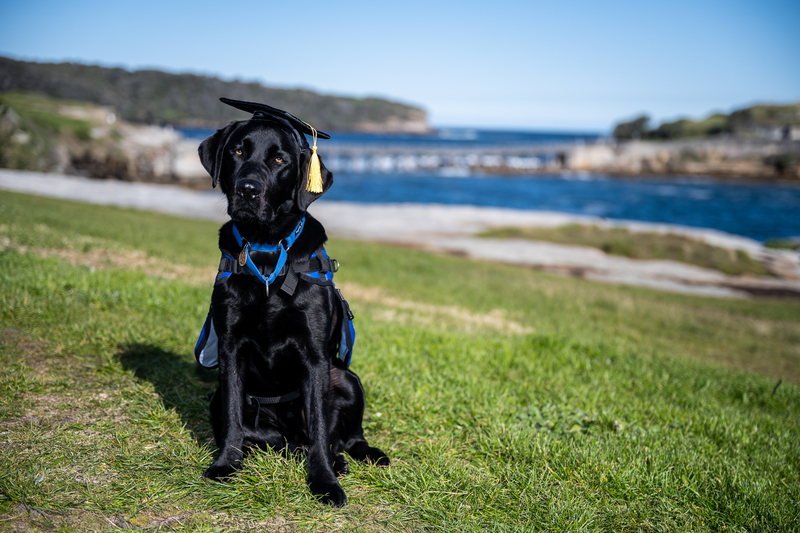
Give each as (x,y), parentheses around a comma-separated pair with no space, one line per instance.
(329,493)
(220,472)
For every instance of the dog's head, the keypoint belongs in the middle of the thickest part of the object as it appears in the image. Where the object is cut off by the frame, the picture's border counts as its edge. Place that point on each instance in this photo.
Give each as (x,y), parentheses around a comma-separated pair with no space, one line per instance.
(262,167)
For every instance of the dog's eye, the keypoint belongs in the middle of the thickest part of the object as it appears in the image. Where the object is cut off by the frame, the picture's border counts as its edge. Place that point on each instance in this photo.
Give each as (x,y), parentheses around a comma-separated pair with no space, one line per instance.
(278,160)
(238,152)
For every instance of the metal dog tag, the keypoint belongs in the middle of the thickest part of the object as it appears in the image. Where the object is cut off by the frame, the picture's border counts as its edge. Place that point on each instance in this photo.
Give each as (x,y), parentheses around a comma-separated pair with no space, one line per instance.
(243,257)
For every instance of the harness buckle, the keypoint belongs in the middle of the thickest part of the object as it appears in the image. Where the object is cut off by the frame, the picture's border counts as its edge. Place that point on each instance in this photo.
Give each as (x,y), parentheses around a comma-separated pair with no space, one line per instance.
(334,265)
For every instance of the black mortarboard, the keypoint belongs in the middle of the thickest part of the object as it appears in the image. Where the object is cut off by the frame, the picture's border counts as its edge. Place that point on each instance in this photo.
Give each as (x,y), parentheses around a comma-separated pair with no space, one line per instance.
(263,111)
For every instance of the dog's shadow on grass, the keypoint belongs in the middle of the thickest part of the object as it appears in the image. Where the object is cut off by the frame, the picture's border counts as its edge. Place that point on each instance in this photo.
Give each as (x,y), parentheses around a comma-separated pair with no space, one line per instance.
(182,383)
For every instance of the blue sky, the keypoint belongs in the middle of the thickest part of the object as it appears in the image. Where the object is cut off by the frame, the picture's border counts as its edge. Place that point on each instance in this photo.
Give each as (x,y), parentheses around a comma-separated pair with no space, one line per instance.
(526,65)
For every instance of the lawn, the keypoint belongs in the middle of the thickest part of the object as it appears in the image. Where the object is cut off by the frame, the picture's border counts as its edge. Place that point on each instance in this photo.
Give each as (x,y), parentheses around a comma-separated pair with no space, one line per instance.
(508,399)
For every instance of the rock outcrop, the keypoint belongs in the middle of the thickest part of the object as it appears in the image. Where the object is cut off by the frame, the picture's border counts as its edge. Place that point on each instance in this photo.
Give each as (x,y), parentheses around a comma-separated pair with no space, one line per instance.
(726,156)
(92,141)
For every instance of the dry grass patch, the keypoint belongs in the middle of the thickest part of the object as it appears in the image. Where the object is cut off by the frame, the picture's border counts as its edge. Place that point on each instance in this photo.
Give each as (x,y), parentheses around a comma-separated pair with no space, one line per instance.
(102,258)
(640,245)
(96,254)
(425,314)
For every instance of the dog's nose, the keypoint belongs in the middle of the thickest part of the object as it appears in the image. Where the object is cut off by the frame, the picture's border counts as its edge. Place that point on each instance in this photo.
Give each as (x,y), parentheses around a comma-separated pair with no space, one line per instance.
(248,188)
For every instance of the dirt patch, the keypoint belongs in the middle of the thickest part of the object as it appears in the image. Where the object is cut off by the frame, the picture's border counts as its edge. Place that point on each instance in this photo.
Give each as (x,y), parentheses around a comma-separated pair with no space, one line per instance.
(88,252)
(62,409)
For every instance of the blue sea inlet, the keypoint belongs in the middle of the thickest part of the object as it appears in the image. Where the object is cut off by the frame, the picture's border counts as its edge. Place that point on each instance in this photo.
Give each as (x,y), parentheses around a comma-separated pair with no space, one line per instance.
(759,210)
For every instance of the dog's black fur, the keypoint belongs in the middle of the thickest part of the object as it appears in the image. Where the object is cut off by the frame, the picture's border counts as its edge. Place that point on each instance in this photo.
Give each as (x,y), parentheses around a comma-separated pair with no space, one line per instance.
(269,346)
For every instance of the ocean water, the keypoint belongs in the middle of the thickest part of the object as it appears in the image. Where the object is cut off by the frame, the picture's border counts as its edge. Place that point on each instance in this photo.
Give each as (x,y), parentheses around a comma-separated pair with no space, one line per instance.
(759,210)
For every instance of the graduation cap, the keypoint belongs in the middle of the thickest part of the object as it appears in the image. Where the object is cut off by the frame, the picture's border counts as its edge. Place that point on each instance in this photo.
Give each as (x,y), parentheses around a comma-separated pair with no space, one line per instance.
(286,119)
(265,112)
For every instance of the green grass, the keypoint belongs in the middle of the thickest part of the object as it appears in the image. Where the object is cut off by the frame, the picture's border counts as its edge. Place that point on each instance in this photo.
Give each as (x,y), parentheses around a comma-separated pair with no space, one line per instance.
(44,113)
(639,245)
(781,244)
(623,409)
(27,140)
(685,128)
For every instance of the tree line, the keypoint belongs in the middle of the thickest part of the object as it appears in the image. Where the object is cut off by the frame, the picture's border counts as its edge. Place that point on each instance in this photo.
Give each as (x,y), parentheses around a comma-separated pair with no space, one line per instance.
(190,100)
(758,120)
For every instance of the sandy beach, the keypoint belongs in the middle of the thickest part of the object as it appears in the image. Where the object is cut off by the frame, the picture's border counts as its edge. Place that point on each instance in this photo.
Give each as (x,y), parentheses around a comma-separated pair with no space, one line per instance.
(451,229)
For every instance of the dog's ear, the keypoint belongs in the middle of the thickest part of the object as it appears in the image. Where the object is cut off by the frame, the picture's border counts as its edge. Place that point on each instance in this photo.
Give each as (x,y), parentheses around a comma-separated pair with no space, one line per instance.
(211,150)
(304,196)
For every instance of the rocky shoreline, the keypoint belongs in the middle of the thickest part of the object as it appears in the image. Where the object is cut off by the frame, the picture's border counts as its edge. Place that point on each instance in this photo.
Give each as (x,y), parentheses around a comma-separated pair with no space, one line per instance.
(162,155)
(140,153)
(725,157)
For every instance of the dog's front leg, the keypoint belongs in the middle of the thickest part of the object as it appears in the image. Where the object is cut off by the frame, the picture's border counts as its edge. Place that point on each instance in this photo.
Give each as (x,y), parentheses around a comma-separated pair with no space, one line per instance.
(226,416)
(316,396)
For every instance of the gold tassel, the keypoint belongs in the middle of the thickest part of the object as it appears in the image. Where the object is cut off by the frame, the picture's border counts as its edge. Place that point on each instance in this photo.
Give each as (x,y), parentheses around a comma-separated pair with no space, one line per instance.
(314,183)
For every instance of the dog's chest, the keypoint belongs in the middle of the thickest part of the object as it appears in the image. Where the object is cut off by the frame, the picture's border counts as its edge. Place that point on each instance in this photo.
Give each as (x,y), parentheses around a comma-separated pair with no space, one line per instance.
(268,332)
(268,321)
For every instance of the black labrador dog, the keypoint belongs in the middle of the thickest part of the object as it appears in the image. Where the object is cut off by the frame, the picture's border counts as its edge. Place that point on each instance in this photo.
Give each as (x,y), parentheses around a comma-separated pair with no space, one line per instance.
(281,383)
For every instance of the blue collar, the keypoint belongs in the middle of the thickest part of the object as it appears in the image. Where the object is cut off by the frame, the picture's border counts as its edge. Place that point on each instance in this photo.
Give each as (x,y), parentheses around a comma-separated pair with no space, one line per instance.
(283,247)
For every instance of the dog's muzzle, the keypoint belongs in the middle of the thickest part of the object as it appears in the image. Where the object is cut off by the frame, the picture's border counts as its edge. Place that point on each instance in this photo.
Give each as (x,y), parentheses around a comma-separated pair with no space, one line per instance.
(248,188)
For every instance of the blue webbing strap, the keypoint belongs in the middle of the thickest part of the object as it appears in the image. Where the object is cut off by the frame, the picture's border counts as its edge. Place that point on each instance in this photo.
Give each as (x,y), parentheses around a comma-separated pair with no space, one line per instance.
(247,248)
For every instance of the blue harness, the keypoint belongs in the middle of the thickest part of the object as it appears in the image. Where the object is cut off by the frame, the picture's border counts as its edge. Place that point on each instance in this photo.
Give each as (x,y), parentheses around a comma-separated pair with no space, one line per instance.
(317,269)
(244,255)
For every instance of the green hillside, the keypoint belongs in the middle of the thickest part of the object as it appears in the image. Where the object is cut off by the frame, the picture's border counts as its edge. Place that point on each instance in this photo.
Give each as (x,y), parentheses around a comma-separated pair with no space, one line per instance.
(152,96)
